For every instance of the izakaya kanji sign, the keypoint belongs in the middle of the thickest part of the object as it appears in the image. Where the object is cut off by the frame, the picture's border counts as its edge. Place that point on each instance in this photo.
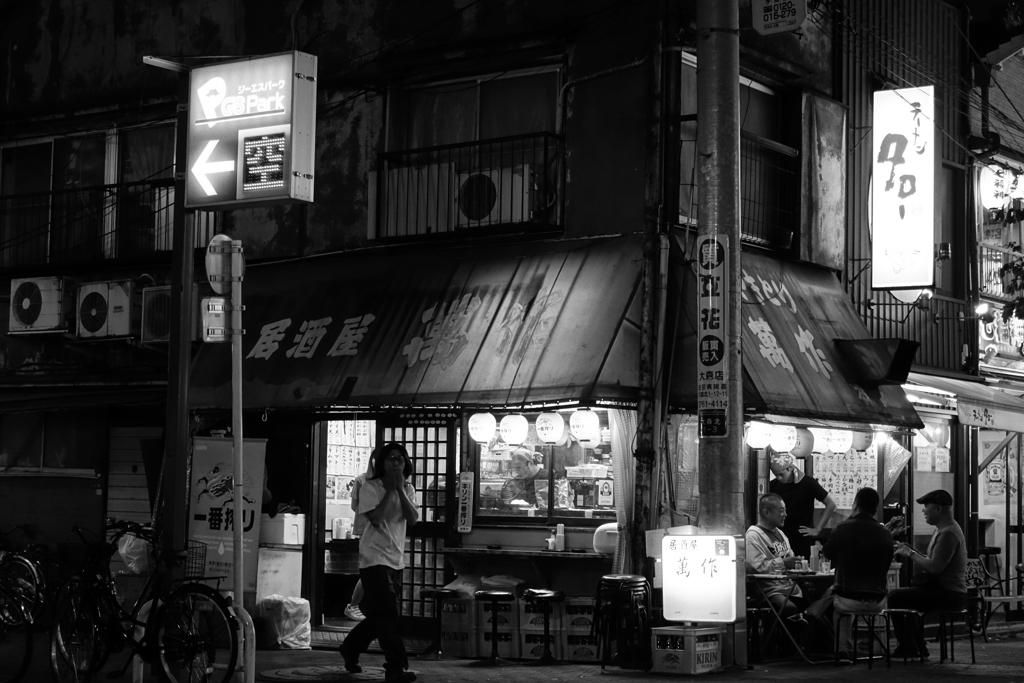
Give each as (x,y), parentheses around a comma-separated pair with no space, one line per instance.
(251,128)
(712,314)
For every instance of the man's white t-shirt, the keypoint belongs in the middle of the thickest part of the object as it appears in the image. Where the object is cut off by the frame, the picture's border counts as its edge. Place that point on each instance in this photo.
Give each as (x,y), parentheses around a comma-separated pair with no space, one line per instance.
(384,544)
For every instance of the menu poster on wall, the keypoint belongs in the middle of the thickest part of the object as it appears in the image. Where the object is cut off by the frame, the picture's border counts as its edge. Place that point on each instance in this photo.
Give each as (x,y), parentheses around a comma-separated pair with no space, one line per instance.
(843,474)
(699,578)
(941,459)
(465,511)
(363,436)
(924,456)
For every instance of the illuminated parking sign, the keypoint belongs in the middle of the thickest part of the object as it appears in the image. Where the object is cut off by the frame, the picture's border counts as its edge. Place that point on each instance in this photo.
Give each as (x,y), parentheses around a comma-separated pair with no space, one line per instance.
(251,132)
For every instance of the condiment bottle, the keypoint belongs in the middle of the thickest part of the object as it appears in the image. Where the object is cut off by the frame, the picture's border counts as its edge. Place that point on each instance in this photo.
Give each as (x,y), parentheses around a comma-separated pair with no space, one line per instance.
(815,549)
(560,538)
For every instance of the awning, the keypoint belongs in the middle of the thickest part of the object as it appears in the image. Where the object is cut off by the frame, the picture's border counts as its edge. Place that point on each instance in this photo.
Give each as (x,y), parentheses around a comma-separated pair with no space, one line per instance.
(501,324)
(792,316)
(22,399)
(977,404)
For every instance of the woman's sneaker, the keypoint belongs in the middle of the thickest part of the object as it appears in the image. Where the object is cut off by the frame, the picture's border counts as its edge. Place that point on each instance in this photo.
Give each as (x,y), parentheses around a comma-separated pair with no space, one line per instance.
(352,612)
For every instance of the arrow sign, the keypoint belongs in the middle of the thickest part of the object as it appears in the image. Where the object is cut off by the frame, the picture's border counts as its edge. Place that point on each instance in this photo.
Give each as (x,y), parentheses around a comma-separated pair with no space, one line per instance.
(202,167)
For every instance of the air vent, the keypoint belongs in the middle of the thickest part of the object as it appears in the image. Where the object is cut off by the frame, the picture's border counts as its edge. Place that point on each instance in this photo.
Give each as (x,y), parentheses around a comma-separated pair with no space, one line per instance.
(107,309)
(40,304)
(157,315)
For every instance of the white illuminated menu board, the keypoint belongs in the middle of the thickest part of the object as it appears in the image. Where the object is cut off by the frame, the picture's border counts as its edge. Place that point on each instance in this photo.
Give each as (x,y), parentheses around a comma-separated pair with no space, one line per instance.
(700,579)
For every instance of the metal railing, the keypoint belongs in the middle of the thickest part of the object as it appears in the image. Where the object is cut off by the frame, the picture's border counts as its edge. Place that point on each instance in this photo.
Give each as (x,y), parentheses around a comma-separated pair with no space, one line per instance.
(131,221)
(991,259)
(513,182)
(941,325)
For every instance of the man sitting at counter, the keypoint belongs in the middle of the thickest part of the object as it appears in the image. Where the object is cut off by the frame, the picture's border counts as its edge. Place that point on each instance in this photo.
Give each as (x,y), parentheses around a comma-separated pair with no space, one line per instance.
(528,485)
(769,552)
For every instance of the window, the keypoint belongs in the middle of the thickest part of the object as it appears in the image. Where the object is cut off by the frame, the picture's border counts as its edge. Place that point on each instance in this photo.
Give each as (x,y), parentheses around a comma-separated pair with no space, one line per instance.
(549,482)
(65,442)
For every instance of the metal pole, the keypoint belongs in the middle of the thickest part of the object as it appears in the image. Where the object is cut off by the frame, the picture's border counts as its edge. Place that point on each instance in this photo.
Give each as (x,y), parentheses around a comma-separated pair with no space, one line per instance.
(236,415)
(718,149)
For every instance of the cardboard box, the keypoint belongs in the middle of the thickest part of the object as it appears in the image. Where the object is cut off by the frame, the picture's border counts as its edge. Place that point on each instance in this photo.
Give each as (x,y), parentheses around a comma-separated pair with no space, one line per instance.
(580,648)
(283,529)
(531,645)
(463,644)
(459,614)
(508,643)
(579,616)
(531,616)
(681,650)
(507,615)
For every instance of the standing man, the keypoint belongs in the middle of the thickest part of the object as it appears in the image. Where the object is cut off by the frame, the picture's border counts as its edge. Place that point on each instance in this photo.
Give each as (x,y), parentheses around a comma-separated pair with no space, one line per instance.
(388,501)
(862,551)
(939,581)
(799,491)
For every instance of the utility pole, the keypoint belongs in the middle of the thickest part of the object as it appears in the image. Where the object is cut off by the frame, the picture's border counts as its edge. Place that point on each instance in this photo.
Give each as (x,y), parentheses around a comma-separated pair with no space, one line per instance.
(720,449)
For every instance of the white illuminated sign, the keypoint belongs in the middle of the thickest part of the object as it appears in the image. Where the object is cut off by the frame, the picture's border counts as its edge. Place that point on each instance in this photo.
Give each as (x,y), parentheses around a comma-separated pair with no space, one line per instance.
(700,578)
(251,132)
(903,189)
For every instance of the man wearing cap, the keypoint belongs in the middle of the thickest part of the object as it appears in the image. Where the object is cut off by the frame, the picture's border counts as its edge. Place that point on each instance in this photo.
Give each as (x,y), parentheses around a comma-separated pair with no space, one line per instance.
(939,573)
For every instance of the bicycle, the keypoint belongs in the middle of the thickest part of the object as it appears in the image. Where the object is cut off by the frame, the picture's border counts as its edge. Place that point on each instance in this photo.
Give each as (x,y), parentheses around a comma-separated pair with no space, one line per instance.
(15,637)
(21,572)
(187,628)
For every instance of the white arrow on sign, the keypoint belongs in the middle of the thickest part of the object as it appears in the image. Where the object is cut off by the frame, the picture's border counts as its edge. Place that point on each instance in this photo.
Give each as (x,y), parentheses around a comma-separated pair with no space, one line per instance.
(202,167)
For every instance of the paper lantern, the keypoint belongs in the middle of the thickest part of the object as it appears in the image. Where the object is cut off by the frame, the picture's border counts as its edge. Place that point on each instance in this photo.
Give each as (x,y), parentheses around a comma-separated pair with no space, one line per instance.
(860,441)
(822,439)
(758,434)
(585,425)
(842,440)
(804,443)
(514,429)
(939,434)
(550,427)
(481,427)
(783,438)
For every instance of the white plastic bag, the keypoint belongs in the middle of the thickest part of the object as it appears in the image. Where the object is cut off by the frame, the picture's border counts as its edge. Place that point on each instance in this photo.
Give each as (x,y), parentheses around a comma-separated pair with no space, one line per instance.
(135,553)
(285,622)
(466,584)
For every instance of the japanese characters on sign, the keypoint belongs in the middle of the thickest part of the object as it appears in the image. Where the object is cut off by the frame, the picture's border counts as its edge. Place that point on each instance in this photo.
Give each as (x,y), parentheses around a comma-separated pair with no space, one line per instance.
(843,474)
(465,512)
(777,16)
(700,578)
(306,337)
(250,131)
(903,189)
(712,316)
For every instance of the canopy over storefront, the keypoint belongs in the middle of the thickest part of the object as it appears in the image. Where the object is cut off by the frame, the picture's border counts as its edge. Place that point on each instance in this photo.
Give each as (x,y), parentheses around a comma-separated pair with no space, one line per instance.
(793,316)
(503,324)
(977,404)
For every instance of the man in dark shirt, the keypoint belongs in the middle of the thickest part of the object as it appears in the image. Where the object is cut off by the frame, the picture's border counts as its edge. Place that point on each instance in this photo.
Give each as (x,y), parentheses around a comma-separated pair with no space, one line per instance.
(939,581)
(799,493)
(862,551)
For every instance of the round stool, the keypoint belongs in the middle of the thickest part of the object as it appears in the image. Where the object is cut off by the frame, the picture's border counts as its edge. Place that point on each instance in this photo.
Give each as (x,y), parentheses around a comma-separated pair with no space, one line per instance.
(950,617)
(869,620)
(894,614)
(438,595)
(493,597)
(545,598)
(988,553)
(622,620)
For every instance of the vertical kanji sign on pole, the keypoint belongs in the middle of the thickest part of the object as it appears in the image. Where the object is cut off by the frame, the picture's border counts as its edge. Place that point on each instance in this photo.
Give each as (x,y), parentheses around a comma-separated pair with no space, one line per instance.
(712,315)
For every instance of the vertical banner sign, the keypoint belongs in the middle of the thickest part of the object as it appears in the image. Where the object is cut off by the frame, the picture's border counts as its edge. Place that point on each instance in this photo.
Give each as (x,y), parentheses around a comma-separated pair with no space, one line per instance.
(211,505)
(251,125)
(903,189)
(712,307)
(465,516)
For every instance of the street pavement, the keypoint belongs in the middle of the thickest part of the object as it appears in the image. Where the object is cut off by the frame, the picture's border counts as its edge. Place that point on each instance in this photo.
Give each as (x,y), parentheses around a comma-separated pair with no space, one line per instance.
(1000,660)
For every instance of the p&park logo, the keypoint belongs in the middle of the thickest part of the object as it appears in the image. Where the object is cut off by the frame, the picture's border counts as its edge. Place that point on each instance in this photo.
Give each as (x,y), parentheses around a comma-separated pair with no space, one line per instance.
(219,107)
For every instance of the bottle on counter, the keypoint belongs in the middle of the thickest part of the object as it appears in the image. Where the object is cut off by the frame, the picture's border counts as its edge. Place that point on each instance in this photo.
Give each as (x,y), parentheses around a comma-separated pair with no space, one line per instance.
(815,560)
(560,537)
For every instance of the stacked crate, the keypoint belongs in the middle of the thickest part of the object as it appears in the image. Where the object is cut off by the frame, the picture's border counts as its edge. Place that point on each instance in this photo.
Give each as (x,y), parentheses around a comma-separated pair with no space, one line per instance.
(507,616)
(531,630)
(459,631)
(579,639)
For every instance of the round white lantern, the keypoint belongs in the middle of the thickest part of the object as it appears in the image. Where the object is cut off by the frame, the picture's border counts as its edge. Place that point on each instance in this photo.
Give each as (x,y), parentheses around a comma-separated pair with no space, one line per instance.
(840,440)
(758,434)
(585,425)
(860,441)
(804,443)
(481,427)
(514,429)
(994,186)
(822,439)
(783,438)
(550,427)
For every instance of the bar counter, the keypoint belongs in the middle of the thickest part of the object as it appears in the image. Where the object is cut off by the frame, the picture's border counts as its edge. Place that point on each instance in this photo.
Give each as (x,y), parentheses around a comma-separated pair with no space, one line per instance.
(575,573)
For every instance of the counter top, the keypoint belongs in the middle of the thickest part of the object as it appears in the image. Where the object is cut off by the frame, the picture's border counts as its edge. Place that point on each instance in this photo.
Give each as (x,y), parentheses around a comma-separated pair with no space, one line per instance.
(530,552)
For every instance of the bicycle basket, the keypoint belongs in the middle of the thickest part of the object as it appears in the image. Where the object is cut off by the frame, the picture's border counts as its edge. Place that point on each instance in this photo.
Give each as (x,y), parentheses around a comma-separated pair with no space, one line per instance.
(195,559)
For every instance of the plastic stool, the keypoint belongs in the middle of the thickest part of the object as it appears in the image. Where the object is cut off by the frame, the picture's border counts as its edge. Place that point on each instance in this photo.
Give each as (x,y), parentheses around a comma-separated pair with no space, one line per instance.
(545,598)
(622,621)
(493,597)
(869,620)
(438,595)
(908,614)
(946,634)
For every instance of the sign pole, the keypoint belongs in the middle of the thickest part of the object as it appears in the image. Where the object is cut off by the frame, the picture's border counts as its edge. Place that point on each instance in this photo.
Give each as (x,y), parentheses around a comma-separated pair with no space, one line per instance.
(236,413)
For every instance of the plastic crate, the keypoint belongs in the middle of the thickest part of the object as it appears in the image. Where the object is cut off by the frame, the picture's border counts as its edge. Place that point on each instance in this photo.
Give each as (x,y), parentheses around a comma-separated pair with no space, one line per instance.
(681,650)
(580,648)
(507,615)
(463,644)
(508,643)
(459,614)
(531,645)
(579,616)
(531,616)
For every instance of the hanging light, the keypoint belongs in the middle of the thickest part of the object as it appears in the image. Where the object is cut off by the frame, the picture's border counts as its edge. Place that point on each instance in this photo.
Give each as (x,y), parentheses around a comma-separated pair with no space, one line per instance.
(804,443)
(881,438)
(758,434)
(514,429)
(585,425)
(783,438)
(481,427)
(841,440)
(550,427)
(822,439)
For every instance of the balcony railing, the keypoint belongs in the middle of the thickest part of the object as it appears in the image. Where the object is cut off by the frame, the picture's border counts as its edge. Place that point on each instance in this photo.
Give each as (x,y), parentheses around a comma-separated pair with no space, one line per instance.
(501,184)
(940,324)
(132,221)
(991,260)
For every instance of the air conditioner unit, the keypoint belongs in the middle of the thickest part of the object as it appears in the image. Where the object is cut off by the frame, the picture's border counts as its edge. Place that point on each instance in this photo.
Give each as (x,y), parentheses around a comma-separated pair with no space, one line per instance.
(418,200)
(107,309)
(494,196)
(41,304)
(156,316)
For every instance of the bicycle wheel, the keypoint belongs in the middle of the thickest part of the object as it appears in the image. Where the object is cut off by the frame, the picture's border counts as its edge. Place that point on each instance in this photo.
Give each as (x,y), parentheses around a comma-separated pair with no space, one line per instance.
(15,638)
(197,636)
(77,639)
(22,576)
